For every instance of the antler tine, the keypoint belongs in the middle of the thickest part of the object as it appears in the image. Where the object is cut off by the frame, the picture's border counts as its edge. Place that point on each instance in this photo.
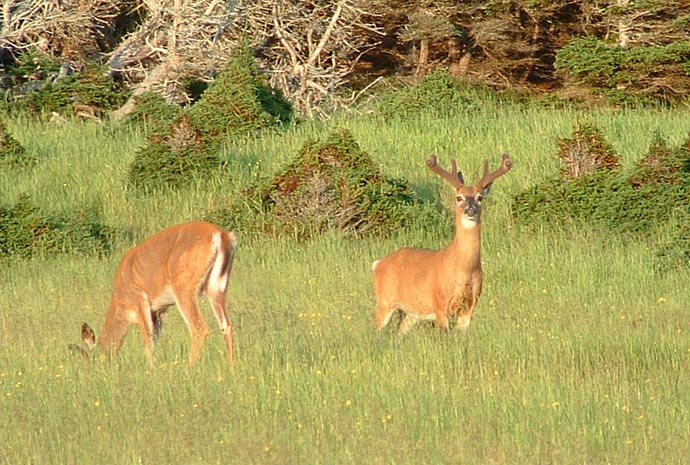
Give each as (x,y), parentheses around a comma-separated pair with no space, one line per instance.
(453,177)
(488,178)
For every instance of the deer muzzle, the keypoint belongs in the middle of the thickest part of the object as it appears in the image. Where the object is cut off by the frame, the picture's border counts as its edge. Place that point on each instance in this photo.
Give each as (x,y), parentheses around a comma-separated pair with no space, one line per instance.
(472,210)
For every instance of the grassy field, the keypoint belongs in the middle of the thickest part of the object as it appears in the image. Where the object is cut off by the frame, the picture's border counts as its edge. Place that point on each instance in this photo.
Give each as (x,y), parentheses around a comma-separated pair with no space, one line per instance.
(579,353)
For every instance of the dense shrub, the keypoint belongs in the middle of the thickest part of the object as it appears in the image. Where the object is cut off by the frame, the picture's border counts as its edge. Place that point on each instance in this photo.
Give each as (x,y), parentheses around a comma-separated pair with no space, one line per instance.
(586,151)
(239,102)
(151,109)
(26,230)
(12,154)
(649,198)
(330,185)
(654,72)
(91,88)
(187,147)
(675,253)
(587,179)
(172,157)
(438,93)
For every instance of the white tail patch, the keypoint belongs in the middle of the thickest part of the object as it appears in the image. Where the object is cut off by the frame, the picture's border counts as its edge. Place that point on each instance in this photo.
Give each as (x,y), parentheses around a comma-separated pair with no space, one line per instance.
(373,265)
(218,278)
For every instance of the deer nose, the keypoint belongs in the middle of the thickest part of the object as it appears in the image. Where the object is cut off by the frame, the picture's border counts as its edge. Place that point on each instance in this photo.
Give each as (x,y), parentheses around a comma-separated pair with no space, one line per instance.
(471,210)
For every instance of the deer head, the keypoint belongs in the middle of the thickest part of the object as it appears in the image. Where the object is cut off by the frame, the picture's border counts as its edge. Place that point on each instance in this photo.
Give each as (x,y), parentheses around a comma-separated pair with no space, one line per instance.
(469,198)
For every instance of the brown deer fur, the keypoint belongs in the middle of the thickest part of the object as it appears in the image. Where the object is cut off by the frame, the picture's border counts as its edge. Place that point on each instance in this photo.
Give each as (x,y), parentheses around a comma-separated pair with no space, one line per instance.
(440,284)
(175,266)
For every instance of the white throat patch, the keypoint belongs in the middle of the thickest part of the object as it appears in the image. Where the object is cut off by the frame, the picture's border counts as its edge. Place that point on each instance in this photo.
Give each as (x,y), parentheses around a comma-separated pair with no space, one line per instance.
(467,223)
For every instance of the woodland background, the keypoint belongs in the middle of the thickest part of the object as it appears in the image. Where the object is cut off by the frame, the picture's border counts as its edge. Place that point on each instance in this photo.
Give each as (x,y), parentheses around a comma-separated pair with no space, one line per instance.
(325,55)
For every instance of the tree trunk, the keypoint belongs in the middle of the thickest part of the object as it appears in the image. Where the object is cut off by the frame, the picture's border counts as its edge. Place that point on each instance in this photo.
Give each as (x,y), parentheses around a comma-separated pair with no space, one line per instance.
(423,61)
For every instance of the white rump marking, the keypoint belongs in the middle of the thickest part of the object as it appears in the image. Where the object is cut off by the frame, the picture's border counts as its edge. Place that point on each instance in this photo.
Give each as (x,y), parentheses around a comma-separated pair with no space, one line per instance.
(218,279)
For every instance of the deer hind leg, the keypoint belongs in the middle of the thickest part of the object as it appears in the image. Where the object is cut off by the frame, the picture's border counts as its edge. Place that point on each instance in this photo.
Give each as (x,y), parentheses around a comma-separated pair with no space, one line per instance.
(384,314)
(198,330)
(158,318)
(216,287)
(442,320)
(407,322)
(220,309)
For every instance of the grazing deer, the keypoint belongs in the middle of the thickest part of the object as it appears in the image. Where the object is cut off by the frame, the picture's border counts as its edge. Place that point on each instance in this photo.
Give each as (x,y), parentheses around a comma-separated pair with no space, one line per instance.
(438,284)
(173,267)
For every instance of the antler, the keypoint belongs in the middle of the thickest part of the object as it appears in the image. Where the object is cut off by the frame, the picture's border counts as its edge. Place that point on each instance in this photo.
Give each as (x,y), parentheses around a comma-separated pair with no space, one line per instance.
(488,178)
(454,177)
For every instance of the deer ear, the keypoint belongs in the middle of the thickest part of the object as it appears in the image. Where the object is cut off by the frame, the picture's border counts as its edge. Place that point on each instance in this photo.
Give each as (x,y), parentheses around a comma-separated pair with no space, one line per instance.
(88,336)
(462,180)
(486,190)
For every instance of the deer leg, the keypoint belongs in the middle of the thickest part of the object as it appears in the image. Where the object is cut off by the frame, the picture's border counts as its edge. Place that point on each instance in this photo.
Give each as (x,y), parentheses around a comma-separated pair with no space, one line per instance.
(114,331)
(220,309)
(463,322)
(407,322)
(465,313)
(147,338)
(147,326)
(383,316)
(157,317)
(195,323)
(442,320)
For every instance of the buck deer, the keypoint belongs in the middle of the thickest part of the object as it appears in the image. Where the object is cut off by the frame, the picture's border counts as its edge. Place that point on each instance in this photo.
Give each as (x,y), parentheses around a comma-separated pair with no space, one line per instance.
(175,266)
(438,284)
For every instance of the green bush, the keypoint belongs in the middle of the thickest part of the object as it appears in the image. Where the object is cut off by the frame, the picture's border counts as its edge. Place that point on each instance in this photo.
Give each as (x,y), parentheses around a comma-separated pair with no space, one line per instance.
(674,254)
(12,154)
(330,185)
(152,110)
(32,62)
(26,231)
(591,61)
(588,178)
(649,198)
(589,198)
(187,147)
(238,102)
(438,93)
(654,72)
(586,151)
(172,157)
(92,87)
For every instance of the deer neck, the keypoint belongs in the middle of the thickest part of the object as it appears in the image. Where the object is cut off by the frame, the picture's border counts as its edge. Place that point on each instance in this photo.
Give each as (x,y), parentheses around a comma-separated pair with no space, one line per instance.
(466,245)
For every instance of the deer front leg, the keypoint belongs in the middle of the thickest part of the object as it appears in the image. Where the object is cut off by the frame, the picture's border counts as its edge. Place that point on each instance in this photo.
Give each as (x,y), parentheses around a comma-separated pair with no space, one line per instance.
(465,310)
(442,319)
(148,329)
(384,313)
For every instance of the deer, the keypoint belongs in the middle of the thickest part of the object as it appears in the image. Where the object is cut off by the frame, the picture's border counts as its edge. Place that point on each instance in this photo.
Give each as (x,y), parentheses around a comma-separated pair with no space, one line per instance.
(438,285)
(175,266)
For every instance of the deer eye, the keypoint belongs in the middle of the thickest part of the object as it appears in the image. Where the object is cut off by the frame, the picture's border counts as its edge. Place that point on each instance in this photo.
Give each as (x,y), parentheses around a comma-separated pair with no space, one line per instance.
(479,197)
(460,198)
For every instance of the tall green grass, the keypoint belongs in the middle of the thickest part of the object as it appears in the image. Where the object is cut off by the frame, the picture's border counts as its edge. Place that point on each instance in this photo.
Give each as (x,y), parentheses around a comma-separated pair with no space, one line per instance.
(579,352)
